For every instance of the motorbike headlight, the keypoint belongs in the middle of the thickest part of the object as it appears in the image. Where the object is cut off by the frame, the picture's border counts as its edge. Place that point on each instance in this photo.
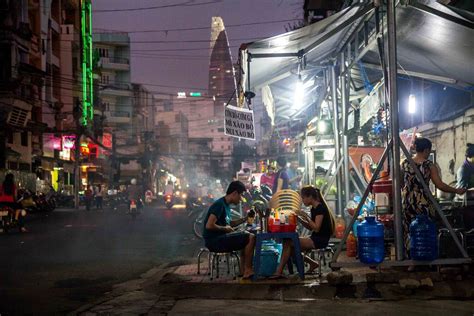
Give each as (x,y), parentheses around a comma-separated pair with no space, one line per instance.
(184,195)
(23,213)
(177,192)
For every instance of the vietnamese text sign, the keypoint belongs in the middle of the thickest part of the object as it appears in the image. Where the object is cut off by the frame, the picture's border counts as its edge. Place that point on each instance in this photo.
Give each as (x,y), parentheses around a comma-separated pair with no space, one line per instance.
(239,122)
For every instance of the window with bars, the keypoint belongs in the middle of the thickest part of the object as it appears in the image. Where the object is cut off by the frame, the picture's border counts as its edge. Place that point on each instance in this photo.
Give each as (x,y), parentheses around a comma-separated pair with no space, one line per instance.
(17,117)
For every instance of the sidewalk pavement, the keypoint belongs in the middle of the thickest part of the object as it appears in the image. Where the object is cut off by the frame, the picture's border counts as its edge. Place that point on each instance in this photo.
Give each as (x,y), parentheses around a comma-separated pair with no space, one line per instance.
(177,289)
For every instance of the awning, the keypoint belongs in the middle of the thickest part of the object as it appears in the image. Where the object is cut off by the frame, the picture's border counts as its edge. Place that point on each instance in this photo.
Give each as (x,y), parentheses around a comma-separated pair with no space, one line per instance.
(433,42)
(12,153)
(275,58)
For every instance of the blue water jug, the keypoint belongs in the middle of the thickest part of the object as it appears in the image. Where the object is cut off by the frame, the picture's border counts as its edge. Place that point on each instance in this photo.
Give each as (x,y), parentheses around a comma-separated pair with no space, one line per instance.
(423,239)
(269,258)
(370,241)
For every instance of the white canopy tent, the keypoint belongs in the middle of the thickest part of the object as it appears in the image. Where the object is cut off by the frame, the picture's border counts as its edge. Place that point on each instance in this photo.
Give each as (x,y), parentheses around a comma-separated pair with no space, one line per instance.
(432,42)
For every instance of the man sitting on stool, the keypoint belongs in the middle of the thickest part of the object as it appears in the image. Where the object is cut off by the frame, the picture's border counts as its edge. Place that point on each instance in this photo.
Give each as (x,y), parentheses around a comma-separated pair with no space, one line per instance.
(219,236)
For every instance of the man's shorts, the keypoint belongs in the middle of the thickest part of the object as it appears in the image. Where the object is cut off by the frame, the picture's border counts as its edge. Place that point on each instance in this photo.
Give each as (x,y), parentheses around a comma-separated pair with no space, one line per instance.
(228,242)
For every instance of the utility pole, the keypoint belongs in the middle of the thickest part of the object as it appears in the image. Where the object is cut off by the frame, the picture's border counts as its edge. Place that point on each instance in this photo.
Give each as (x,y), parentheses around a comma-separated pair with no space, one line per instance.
(113,162)
(77,169)
(77,153)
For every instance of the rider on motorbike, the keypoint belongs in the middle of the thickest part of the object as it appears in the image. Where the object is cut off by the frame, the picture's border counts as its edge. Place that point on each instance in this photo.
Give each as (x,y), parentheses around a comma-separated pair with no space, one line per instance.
(134,192)
(8,198)
(169,188)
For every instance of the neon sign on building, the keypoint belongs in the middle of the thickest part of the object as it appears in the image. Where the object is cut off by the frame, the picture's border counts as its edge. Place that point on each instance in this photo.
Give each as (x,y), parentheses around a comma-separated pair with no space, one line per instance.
(87,68)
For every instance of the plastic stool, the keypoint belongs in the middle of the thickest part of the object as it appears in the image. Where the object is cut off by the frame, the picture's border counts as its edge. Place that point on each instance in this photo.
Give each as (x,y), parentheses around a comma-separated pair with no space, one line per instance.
(320,256)
(214,259)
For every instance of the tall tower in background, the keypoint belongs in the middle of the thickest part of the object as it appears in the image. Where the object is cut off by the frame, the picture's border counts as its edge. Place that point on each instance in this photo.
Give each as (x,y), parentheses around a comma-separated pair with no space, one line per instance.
(221,71)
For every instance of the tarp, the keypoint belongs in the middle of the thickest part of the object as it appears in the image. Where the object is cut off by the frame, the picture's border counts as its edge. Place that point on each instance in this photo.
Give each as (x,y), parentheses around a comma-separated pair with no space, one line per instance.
(432,39)
(274,58)
(434,45)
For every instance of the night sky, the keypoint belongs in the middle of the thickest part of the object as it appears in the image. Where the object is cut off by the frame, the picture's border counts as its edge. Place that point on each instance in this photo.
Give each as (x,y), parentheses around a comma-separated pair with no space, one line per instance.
(182,65)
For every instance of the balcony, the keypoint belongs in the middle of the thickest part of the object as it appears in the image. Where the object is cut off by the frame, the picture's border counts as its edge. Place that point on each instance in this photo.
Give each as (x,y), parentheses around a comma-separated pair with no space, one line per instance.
(117,89)
(115,63)
(117,117)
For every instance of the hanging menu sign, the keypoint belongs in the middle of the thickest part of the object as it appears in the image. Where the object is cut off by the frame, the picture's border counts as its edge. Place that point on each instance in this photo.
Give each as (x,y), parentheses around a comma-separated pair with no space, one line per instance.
(239,122)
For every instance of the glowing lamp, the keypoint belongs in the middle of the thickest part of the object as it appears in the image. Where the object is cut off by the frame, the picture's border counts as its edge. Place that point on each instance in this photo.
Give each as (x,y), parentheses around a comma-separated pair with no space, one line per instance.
(299,94)
(412,104)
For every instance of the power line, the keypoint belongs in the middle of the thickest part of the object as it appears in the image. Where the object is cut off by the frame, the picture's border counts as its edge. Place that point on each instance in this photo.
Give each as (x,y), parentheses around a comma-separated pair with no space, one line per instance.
(200,27)
(172,41)
(188,3)
(60,79)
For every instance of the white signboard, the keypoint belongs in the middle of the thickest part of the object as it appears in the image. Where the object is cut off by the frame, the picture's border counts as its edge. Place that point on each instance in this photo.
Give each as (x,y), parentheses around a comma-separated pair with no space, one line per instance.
(239,122)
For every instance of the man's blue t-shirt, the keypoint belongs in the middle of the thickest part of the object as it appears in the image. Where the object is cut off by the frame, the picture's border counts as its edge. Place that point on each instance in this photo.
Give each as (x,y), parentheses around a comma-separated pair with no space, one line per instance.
(281,174)
(292,174)
(466,175)
(222,211)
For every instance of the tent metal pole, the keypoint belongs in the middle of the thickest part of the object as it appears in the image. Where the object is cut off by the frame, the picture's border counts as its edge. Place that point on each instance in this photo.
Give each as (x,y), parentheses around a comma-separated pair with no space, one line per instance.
(331,179)
(306,164)
(328,173)
(345,145)
(393,97)
(356,171)
(337,144)
(356,186)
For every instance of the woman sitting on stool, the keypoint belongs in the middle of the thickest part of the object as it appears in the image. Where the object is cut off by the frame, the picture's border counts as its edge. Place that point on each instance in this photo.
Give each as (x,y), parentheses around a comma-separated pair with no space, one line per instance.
(321,223)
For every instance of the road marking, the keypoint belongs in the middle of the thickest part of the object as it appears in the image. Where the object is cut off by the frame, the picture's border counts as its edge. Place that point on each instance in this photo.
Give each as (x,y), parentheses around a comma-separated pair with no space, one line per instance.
(83,226)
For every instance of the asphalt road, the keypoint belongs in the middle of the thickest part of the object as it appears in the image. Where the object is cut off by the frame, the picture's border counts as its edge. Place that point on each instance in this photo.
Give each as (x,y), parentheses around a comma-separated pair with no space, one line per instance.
(72,257)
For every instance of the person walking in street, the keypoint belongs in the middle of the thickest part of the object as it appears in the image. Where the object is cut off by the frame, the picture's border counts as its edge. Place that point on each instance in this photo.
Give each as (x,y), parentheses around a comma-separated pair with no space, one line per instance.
(414,199)
(281,181)
(99,196)
(219,234)
(321,223)
(88,197)
(8,198)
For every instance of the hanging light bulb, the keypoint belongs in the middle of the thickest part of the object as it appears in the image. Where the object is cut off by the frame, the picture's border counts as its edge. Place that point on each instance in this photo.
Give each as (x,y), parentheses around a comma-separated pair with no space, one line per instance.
(412,104)
(322,127)
(299,93)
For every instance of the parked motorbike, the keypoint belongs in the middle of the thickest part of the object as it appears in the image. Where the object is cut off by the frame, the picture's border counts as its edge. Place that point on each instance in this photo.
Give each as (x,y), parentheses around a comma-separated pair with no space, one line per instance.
(63,200)
(26,200)
(115,200)
(9,218)
(50,199)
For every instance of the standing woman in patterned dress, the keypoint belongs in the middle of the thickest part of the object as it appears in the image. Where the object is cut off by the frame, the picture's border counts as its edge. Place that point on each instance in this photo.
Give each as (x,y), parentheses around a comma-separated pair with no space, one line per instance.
(414,199)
